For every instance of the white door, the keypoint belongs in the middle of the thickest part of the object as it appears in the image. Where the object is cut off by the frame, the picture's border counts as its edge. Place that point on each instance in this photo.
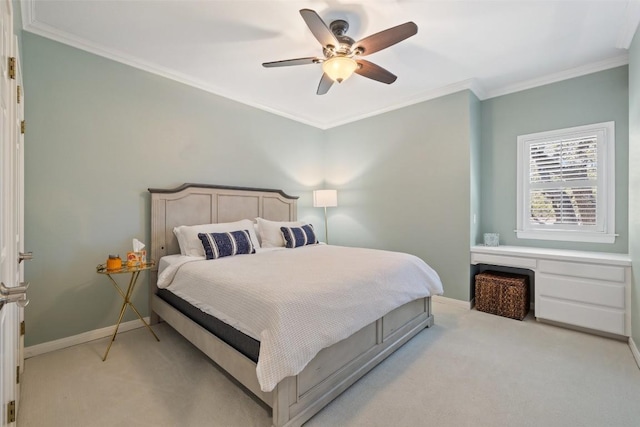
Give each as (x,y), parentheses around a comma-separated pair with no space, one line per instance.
(7,312)
(18,207)
(10,219)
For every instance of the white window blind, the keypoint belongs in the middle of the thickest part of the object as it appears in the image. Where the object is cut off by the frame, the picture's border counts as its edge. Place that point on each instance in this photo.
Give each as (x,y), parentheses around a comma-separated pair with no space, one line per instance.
(563,181)
(565,184)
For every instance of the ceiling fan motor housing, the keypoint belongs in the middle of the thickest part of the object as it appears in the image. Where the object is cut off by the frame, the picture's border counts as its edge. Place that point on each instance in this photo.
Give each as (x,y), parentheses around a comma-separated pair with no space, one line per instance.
(339,28)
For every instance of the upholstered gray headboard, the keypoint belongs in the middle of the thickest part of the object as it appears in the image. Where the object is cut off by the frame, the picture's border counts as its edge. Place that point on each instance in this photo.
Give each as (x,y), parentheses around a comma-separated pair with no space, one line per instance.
(192,204)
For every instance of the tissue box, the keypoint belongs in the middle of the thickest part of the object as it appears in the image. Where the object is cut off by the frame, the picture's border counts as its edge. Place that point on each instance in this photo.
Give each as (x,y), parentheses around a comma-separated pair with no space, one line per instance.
(134,259)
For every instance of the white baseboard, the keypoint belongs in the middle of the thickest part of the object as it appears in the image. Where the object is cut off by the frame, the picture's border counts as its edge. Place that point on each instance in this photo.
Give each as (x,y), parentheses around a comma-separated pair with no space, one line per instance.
(634,351)
(82,338)
(458,303)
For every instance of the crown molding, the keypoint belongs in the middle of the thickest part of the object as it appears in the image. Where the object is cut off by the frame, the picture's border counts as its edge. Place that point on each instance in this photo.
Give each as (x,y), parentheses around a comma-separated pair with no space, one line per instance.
(27,12)
(630,26)
(35,27)
(32,25)
(471,84)
(38,28)
(476,87)
(562,75)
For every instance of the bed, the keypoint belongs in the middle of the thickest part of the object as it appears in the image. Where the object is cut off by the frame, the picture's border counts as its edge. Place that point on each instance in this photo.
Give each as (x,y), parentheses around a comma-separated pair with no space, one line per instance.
(293,399)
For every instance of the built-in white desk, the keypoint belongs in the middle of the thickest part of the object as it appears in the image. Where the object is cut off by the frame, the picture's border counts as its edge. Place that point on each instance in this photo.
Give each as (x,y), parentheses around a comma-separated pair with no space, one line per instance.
(586,289)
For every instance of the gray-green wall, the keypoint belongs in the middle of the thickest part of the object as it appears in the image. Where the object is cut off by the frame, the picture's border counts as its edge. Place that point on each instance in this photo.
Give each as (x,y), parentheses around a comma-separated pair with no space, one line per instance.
(594,98)
(634,182)
(99,134)
(475,116)
(404,182)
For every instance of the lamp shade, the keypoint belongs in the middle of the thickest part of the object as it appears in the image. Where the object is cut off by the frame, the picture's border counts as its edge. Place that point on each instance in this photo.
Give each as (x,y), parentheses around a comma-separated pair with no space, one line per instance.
(339,68)
(325,198)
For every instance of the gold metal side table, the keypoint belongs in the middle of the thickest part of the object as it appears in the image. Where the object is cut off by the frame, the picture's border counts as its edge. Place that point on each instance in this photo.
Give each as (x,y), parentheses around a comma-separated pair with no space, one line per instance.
(126,296)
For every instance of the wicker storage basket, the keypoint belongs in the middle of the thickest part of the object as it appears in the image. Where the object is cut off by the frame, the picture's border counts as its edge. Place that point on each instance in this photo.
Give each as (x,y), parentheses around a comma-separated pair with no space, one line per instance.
(504,294)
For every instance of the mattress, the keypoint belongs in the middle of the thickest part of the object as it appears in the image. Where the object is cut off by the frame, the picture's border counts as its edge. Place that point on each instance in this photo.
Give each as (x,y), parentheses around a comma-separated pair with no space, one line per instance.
(246,345)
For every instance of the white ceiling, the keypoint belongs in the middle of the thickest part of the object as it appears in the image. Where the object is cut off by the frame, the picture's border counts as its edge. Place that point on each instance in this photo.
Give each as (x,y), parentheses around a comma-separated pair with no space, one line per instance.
(491,47)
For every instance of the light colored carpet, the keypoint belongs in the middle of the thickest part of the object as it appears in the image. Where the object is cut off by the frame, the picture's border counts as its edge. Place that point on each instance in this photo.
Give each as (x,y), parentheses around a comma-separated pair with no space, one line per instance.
(470,369)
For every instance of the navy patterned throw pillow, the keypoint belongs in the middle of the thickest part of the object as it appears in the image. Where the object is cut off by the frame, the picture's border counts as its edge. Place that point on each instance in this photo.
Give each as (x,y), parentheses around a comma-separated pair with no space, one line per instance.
(218,245)
(299,236)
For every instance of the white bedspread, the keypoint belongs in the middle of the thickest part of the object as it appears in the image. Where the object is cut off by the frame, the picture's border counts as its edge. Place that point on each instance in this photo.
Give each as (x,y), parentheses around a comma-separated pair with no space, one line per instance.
(298,301)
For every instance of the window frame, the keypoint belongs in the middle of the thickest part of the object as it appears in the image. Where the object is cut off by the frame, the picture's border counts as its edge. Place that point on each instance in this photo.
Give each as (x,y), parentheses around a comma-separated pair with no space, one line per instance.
(604,231)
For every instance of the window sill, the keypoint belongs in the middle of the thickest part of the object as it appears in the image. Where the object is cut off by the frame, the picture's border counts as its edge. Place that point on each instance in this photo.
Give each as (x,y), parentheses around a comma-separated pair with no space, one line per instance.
(567,236)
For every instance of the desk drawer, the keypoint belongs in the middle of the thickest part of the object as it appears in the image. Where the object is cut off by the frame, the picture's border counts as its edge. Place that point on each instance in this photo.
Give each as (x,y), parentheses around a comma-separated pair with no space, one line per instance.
(598,318)
(609,294)
(588,271)
(509,261)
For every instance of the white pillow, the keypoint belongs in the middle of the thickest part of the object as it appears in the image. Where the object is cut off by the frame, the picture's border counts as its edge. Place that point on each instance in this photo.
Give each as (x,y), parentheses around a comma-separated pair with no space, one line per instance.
(270,234)
(191,245)
(257,231)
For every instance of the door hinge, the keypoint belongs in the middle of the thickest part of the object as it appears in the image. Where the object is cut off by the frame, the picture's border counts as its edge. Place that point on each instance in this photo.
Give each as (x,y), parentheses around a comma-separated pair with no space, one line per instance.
(12,67)
(22,328)
(11,412)
(22,126)
(18,374)
(19,93)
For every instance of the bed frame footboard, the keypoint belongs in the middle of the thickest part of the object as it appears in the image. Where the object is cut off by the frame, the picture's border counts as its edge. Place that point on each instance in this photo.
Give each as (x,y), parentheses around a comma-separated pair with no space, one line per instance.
(296,399)
(336,368)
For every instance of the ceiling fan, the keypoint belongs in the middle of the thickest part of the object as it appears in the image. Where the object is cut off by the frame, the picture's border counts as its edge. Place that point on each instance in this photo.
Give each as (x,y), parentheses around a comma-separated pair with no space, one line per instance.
(342,53)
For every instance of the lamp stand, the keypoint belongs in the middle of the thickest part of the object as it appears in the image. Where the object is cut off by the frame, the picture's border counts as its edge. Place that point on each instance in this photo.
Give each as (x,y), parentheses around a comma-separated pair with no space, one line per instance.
(326,227)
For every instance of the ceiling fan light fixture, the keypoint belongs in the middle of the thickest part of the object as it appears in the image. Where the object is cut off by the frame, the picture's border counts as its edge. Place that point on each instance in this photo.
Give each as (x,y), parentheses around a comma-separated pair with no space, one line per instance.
(339,68)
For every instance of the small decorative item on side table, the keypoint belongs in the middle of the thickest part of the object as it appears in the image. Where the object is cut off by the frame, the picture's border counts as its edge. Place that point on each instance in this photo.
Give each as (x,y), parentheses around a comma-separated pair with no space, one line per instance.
(111,268)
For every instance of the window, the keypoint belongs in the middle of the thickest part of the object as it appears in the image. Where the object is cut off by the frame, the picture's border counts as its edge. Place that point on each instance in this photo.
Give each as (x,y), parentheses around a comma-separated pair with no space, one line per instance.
(566,184)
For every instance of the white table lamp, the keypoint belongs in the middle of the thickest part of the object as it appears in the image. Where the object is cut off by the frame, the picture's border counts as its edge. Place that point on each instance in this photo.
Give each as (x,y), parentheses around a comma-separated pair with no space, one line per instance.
(325,199)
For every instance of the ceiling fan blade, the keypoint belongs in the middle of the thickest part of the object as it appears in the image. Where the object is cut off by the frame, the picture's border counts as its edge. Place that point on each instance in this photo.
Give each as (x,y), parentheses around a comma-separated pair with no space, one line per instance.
(287,62)
(319,28)
(325,84)
(374,72)
(386,38)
